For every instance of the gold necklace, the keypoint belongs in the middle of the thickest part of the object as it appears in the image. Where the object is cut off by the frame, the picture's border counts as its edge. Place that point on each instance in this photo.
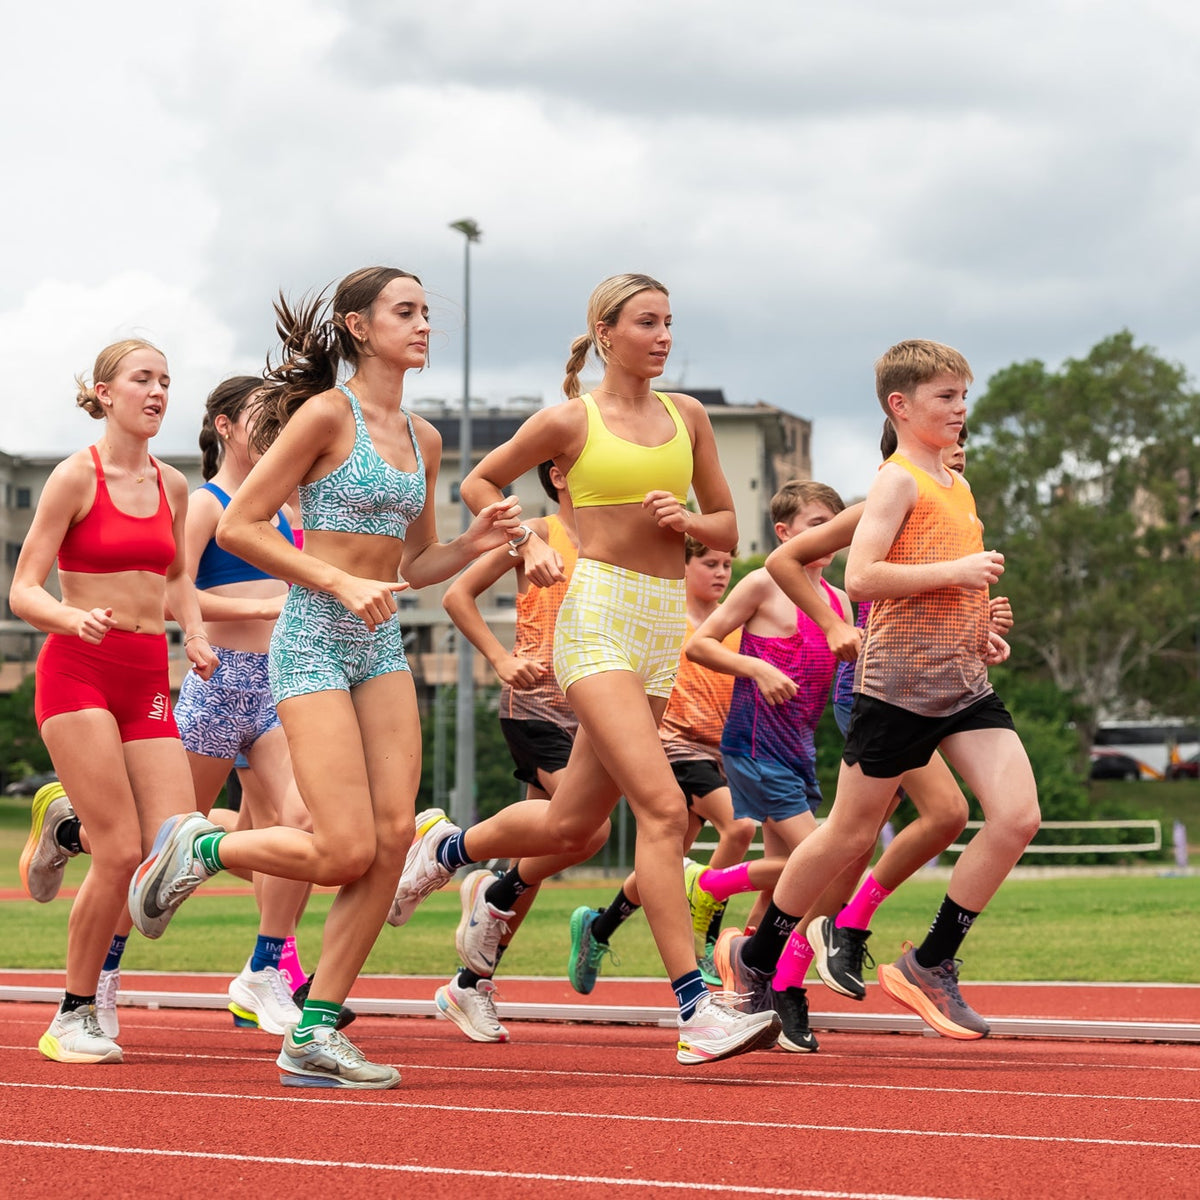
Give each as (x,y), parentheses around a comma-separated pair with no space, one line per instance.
(137,478)
(610,392)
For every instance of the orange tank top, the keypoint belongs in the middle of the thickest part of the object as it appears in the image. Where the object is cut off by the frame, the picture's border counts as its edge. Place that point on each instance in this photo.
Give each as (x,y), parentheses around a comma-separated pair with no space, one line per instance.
(691,727)
(537,612)
(925,653)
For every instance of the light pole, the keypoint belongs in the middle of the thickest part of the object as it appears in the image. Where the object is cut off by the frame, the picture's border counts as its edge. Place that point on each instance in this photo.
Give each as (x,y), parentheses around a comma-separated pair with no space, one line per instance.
(462,804)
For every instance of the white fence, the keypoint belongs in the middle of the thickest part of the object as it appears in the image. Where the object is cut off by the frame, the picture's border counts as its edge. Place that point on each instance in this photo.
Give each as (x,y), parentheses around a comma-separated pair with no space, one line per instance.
(1151,843)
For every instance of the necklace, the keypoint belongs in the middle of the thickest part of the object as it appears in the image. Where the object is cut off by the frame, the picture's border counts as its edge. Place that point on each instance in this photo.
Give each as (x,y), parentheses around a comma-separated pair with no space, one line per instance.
(137,478)
(610,392)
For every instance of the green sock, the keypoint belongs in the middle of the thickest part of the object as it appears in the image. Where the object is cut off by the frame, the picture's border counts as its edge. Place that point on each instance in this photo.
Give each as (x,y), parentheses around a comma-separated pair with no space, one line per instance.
(205,849)
(316,1014)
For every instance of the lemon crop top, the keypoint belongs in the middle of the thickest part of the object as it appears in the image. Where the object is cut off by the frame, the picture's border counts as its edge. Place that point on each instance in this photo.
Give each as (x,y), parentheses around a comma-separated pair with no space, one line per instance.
(611,470)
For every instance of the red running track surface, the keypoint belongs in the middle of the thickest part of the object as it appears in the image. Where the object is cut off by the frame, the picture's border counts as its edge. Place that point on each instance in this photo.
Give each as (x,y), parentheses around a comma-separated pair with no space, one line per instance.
(586,1111)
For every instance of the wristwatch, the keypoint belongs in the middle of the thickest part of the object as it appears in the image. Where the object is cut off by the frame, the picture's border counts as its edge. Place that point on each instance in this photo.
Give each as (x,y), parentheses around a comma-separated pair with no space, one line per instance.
(516,543)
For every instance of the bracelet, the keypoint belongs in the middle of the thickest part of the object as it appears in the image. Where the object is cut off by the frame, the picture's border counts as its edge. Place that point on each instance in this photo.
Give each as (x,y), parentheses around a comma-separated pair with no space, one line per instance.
(191,637)
(516,543)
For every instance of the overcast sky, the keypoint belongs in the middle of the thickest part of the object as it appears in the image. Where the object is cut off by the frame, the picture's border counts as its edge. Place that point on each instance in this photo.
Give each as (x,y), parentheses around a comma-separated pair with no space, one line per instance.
(812,183)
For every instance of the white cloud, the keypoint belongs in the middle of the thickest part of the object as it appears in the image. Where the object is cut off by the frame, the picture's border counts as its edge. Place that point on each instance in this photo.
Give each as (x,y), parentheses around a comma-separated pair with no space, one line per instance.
(812,182)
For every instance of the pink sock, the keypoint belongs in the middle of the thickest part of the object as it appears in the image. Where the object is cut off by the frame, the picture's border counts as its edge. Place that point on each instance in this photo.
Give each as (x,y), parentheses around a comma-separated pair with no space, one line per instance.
(724,882)
(858,913)
(289,965)
(793,962)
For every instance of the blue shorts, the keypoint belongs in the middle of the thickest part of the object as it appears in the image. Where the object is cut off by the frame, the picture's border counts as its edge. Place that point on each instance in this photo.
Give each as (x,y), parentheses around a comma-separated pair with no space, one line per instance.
(319,645)
(765,787)
(841,714)
(224,716)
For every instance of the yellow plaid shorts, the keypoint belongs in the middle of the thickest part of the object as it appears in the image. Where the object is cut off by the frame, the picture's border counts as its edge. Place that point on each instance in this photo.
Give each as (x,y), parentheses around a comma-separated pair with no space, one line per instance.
(613,619)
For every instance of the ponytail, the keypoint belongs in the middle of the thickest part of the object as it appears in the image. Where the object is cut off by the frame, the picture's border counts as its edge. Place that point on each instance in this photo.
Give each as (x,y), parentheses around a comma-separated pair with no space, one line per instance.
(579,352)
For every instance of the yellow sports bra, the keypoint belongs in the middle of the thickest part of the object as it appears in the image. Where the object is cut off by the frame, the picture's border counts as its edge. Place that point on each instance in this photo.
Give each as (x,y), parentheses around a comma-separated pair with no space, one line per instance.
(610,470)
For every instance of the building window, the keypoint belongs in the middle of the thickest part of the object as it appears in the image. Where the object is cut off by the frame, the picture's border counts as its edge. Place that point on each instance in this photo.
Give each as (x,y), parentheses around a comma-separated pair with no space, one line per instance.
(12,551)
(455,493)
(24,497)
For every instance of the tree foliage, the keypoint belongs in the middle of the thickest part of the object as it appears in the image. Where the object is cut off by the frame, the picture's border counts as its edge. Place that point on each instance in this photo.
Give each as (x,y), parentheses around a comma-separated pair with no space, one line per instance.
(1086,478)
(22,751)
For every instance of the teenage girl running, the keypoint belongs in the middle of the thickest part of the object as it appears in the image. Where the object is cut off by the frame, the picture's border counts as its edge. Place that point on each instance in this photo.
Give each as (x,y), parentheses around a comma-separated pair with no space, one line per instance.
(367,472)
(630,456)
(233,713)
(113,516)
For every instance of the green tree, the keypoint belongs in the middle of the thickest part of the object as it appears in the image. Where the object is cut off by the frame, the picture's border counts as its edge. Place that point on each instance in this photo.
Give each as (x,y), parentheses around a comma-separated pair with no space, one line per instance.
(21,749)
(1086,479)
(495,786)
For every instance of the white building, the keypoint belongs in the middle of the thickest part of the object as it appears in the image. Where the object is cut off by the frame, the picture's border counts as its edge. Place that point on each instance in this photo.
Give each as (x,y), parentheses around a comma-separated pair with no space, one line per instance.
(761,447)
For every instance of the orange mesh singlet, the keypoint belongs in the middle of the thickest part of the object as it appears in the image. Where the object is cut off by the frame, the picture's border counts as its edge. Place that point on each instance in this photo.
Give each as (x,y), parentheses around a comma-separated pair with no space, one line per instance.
(695,717)
(537,611)
(925,652)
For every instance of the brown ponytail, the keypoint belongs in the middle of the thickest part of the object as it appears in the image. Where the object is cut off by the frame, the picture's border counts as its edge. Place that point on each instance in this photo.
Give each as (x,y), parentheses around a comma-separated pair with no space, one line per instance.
(315,342)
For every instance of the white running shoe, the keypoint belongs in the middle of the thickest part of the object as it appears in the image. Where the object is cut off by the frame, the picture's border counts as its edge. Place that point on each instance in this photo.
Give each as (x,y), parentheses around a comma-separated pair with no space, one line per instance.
(263,997)
(423,873)
(76,1037)
(330,1060)
(477,938)
(170,874)
(42,859)
(107,987)
(473,1010)
(716,1030)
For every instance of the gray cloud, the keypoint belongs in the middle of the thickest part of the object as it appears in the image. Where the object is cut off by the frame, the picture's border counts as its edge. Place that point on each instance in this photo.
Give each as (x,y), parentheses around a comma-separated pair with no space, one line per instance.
(812,182)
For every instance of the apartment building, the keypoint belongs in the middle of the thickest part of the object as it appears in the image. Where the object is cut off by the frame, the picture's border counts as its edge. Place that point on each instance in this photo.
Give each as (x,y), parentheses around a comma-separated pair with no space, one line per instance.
(761,447)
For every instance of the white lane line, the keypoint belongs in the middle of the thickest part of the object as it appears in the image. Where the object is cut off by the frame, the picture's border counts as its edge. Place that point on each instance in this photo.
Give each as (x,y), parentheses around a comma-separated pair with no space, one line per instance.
(721,1123)
(626,1077)
(687,1185)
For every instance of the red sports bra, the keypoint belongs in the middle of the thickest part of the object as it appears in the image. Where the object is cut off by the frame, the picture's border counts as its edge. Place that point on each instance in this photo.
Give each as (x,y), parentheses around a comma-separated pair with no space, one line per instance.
(108,540)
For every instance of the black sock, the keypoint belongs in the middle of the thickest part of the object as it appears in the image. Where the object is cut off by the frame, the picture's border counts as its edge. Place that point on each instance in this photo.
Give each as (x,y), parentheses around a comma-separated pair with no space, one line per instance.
(762,951)
(945,935)
(67,835)
(621,909)
(70,1001)
(504,892)
(714,926)
(468,979)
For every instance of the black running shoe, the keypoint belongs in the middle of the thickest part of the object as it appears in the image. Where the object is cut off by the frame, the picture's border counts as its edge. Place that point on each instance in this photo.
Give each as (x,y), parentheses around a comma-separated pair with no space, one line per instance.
(838,955)
(347,1016)
(792,1007)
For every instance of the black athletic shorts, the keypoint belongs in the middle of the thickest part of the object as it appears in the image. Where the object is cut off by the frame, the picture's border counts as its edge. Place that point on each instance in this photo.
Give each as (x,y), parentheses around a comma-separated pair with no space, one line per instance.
(885,741)
(698,777)
(536,745)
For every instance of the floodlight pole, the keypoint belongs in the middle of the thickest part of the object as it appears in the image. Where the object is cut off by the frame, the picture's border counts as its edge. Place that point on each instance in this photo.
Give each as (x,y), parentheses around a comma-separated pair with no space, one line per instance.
(462,804)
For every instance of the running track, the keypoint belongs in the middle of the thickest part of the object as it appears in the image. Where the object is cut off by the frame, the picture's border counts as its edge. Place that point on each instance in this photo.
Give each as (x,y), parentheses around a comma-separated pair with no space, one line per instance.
(601,1110)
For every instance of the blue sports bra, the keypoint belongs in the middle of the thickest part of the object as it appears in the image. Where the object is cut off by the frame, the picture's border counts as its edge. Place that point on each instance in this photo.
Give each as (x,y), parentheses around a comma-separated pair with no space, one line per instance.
(365,494)
(218,566)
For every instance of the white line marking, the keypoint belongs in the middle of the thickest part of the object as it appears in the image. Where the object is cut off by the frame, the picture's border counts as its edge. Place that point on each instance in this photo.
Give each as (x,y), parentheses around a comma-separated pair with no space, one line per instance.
(689,1185)
(724,1122)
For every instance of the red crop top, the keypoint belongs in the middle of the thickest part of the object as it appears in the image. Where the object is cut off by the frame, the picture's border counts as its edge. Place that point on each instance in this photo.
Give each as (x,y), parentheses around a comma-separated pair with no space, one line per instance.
(108,540)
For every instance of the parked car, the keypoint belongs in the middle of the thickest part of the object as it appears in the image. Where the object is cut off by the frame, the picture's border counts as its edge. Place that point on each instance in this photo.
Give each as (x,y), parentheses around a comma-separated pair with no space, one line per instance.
(1189,768)
(30,784)
(1107,764)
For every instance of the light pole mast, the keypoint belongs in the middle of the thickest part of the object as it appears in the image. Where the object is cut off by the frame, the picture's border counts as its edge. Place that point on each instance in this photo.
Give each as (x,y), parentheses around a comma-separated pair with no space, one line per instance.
(462,806)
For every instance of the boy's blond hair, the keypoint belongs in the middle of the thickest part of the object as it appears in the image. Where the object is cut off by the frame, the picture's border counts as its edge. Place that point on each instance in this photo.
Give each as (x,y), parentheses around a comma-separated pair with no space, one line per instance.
(914,362)
(796,493)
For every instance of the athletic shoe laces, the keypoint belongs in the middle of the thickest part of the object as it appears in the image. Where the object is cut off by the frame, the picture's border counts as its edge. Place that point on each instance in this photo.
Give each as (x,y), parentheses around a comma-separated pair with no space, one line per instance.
(948,975)
(179,889)
(855,941)
(596,951)
(344,1050)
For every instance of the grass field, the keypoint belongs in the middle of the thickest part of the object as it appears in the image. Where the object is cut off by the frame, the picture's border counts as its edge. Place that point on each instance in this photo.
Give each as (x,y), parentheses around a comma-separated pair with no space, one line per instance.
(1087,927)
